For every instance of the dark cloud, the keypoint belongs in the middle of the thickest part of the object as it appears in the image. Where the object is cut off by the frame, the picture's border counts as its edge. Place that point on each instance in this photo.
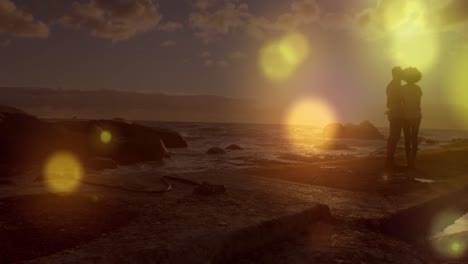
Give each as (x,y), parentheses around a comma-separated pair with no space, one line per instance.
(204,4)
(210,24)
(19,23)
(213,19)
(170,26)
(168,43)
(454,12)
(115,20)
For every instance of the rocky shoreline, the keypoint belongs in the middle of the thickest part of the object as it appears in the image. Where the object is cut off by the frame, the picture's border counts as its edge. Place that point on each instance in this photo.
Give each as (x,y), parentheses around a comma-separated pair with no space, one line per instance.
(340,211)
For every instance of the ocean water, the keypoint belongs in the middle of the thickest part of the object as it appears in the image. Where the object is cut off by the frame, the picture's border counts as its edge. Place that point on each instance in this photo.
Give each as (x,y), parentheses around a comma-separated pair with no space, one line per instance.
(267,145)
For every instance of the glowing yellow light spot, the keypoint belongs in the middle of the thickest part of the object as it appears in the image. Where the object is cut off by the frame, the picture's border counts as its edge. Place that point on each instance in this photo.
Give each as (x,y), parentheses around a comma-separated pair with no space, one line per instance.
(398,13)
(419,49)
(303,116)
(279,59)
(106,137)
(445,242)
(310,112)
(458,88)
(455,247)
(63,172)
(413,42)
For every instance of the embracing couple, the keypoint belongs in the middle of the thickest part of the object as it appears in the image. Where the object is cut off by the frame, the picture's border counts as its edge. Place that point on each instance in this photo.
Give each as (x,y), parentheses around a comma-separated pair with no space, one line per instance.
(404,113)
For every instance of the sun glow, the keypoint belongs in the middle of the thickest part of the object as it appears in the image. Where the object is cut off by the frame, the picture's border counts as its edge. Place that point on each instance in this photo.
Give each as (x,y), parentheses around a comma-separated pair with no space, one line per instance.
(413,42)
(280,59)
(303,116)
(310,112)
(63,172)
(458,88)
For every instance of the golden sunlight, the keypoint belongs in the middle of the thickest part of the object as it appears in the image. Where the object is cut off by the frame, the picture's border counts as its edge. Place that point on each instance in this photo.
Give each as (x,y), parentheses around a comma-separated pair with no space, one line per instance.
(63,172)
(398,13)
(279,59)
(458,88)
(413,42)
(310,112)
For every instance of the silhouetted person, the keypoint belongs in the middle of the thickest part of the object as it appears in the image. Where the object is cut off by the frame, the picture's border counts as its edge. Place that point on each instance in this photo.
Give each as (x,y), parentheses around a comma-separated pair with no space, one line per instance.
(395,115)
(411,101)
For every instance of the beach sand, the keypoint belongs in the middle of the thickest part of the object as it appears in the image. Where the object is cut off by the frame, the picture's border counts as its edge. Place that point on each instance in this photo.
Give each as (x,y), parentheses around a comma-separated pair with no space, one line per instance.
(260,218)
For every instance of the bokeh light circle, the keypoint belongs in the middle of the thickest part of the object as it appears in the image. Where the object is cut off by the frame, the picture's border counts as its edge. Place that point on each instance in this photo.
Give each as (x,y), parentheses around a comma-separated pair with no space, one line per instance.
(307,114)
(106,136)
(63,172)
(280,59)
(445,241)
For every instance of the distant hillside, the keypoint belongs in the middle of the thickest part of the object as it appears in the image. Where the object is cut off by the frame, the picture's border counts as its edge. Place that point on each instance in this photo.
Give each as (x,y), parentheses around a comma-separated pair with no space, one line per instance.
(197,108)
(131,105)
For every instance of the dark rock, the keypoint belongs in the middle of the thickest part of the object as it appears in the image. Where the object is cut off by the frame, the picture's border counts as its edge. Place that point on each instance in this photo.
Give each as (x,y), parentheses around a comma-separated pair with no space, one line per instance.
(209,189)
(129,142)
(333,145)
(171,139)
(215,151)
(27,141)
(101,163)
(234,147)
(364,130)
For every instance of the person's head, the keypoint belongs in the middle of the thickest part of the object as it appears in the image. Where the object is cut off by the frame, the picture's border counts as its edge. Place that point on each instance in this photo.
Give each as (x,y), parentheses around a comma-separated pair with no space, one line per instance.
(397,73)
(412,75)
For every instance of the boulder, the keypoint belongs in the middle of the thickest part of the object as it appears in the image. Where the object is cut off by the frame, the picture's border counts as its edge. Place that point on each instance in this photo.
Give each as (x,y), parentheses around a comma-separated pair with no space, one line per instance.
(215,151)
(126,143)
(27,141)
(364,130)
(234,147)
(171,139)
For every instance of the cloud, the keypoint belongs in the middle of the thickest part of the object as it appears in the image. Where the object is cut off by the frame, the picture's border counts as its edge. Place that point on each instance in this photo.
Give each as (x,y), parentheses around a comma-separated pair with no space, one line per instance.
(19,23)
(168,43)
(204,4)
(454,12)
(210,25)
(222,63)
(5,43)
(237,55)
(205,54)
(208,62)
(337,21)
(170,26)
(114,20)
(215,19)
(301,13)
(389,15)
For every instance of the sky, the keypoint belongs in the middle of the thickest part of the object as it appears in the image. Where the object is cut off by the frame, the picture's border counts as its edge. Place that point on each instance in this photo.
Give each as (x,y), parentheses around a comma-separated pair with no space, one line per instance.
(340,51)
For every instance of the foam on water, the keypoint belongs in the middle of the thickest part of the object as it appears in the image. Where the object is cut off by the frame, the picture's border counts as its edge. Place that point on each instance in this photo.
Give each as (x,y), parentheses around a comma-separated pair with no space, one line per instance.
(269,144)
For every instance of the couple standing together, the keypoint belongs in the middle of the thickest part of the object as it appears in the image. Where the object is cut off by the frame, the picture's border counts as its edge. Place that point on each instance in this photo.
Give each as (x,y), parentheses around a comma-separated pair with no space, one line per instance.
(404,113)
